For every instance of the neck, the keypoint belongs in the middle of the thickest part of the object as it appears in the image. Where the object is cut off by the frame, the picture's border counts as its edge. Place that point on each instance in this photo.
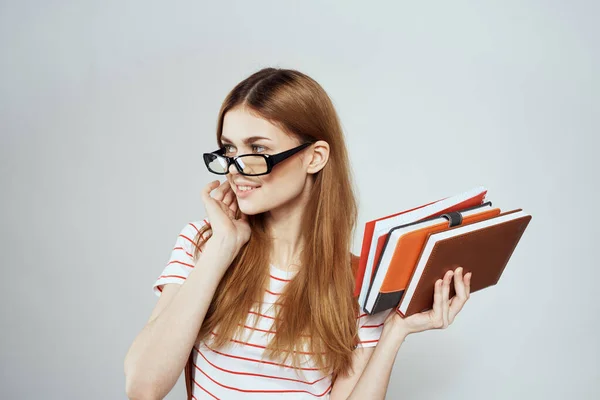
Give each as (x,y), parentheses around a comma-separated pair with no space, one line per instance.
(284,224)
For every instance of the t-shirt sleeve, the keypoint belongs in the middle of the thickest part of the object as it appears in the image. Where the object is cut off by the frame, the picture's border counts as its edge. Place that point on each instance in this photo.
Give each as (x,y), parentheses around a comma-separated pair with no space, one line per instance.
(370,327)
(181,262)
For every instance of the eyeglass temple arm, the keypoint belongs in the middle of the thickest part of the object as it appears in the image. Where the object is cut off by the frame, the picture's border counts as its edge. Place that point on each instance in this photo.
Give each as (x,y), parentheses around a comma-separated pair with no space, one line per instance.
(277,158)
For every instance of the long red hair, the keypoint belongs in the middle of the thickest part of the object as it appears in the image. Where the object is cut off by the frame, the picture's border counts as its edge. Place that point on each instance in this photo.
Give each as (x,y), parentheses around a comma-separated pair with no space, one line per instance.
(318,312)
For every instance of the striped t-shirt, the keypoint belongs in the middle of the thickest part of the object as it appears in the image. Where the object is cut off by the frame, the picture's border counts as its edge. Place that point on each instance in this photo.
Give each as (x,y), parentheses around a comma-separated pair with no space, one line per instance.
(240,371)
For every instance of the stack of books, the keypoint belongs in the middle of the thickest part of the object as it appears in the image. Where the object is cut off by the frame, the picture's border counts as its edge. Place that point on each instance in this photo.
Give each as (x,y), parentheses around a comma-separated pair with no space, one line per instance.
(404,254)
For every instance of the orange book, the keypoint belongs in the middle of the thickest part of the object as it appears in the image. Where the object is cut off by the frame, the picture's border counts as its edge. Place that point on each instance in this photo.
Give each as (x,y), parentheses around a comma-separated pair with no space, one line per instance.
(457,207)
(409,246)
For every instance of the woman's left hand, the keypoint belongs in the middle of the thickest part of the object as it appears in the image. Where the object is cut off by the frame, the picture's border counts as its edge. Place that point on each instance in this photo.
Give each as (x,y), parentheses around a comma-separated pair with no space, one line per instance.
(444,310)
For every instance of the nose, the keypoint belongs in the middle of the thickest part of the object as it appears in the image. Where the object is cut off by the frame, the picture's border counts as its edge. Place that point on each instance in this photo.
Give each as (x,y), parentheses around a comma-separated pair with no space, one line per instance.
(233,169)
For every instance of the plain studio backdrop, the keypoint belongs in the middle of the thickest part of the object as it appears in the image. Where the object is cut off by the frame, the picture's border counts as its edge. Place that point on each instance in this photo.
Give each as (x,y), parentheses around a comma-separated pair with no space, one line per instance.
(107,106)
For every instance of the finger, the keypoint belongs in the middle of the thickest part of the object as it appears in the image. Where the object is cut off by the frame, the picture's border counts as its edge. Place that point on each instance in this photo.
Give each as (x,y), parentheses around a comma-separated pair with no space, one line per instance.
(209,188)
(220,191)
(459,285)
(468,284)
(230,200)
(458,301)
(226,210)
(437,304)
(234,205)
(445,294)
(213,208)
(228,197)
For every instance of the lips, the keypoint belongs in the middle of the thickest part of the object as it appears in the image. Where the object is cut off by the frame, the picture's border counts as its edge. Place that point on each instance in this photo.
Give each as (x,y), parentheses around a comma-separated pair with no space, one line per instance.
(238,184)
(242,187)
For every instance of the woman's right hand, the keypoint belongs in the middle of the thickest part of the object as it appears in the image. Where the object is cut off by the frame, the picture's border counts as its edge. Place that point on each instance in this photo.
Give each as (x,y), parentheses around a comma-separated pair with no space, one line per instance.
(221,209)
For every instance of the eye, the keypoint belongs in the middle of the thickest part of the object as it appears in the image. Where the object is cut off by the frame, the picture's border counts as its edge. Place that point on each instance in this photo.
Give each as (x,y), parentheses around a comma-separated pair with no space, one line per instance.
(227,149)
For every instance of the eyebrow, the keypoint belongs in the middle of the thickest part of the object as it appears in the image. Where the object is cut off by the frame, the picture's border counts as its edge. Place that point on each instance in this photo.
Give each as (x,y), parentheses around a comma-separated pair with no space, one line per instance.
(246,141)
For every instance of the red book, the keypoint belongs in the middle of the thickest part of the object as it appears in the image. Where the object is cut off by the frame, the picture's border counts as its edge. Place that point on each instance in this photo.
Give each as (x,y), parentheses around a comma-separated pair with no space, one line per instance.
(366,244)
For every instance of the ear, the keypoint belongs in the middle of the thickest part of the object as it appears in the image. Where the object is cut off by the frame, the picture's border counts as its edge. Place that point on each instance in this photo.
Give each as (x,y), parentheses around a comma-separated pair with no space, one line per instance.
(318,157)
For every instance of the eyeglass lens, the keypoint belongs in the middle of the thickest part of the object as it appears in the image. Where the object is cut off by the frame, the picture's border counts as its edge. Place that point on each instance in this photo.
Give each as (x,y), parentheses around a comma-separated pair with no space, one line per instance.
(250,164)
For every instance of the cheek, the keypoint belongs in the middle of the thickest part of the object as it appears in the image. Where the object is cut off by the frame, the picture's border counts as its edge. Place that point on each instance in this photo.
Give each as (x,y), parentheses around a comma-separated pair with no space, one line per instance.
(286,181)
(277,188)
(285,189)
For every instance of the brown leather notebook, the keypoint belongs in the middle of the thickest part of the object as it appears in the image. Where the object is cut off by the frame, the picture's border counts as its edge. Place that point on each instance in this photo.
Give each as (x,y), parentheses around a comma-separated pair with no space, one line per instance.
(403,247)
(483,248)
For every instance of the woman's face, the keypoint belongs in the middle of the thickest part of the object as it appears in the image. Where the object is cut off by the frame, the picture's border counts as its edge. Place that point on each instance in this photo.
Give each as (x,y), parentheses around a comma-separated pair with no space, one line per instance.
(244,133)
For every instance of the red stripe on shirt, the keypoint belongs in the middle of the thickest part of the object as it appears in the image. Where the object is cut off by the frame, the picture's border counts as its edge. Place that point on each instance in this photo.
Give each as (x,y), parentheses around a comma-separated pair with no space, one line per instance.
(259,346)
(263,391)
(265,331)
(197,230)
(369,341)
(191,241)
(260,375)
(200,386)
(255,360)
(257,329)
(279,279)
(372,326)
(172,276)
(181,248)
(180,262)
(262,315)
(274,304)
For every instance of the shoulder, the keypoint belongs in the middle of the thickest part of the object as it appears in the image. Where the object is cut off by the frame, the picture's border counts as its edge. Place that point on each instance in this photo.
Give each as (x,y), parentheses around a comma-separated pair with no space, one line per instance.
(183,255)
(189,231)
(188,238)
(195,226)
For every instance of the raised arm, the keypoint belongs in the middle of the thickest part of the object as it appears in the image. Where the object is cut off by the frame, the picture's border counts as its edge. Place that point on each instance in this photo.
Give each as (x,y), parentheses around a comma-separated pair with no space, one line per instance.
(373,368)
(159,353)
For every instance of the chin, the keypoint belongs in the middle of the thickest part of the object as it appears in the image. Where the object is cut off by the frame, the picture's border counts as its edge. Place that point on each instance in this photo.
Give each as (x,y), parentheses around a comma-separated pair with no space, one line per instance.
(258,206)
(250,211)
(261,202)
(249,208)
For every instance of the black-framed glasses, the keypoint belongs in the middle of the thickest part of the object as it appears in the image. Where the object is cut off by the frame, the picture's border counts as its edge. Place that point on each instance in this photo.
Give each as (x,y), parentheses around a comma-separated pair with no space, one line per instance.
(247,164)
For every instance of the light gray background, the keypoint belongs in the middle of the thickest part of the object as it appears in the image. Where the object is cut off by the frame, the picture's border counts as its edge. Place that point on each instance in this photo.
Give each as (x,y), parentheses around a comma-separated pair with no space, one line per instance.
(106,107)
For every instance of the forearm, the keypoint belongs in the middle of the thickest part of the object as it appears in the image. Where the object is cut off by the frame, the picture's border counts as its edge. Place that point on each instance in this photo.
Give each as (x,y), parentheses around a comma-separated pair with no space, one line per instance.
(374,380)
(159,353)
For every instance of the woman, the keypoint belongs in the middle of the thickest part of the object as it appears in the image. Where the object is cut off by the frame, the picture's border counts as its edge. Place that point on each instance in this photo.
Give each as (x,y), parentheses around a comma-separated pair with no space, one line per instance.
(257,298)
